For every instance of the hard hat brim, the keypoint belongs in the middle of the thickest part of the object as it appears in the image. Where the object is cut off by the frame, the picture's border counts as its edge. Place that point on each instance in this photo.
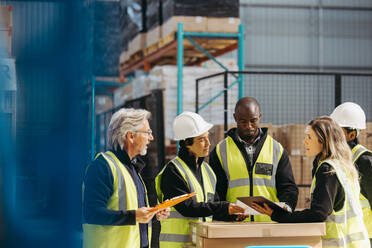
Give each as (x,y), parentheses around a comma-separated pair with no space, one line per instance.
(204,130)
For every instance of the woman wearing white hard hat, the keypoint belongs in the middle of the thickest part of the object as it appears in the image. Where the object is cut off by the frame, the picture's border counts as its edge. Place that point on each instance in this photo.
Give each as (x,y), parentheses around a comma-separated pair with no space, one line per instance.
(188,173)
(351,117)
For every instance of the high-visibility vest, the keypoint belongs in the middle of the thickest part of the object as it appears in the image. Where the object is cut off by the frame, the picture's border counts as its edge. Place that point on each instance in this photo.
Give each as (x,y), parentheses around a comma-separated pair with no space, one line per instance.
(175,229)
(344,228)
(358,151)
(124,198)
(263,176)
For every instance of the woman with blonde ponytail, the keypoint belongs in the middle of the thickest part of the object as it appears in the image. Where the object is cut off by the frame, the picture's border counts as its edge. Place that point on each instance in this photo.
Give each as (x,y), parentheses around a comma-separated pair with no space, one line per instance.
(334,190)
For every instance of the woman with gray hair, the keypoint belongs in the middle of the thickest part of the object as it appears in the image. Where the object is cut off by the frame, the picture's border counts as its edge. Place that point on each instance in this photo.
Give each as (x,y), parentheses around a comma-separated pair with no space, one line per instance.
(115,204)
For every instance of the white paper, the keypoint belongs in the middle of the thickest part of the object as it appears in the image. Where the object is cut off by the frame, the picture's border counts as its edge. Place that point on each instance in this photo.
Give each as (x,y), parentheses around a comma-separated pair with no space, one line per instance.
(251,211)
(248,209)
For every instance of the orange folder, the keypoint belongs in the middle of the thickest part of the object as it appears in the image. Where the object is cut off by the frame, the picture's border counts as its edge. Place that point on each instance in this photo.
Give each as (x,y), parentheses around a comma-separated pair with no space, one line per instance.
(173,201)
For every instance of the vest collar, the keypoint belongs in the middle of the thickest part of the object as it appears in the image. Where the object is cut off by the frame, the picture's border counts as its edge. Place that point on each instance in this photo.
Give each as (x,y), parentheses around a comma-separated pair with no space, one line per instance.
(123,156)
(189,159)
(353,143)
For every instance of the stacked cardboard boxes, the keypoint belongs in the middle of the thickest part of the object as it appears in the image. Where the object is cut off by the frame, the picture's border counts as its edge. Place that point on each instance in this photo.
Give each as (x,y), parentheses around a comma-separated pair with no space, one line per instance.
(6,25)
(217,133)
(365,136)
(227,234)
(293,136)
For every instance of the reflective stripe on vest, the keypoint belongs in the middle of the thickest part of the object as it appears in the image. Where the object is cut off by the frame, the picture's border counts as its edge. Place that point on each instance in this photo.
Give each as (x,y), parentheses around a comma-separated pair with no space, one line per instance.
(121,184)
(345,227)
(358,151)
(264,171)
(124,198)
(343,242)
(175,229)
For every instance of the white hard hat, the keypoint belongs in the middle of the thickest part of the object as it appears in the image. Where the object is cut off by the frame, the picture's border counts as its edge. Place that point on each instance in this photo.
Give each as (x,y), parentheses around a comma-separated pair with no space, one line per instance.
(350,115)
(189,125)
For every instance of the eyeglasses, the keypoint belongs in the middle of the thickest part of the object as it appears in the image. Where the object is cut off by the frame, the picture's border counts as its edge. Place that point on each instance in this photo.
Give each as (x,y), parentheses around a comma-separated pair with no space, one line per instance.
(149,132)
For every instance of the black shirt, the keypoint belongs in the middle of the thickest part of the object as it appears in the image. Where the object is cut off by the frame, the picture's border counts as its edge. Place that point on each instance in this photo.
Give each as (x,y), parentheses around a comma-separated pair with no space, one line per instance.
(173,184)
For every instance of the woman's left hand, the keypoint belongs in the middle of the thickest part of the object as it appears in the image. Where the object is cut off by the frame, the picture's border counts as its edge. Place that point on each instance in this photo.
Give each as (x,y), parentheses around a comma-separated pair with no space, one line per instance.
(263,210)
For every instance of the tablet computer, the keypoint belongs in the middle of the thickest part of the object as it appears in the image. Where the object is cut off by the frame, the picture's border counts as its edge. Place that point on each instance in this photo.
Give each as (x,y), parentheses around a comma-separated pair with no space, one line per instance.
(260,200)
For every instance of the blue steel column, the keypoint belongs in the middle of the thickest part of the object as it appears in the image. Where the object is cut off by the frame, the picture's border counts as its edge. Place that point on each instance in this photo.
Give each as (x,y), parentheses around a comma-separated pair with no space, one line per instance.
(241,60)
(180,68)
(93,115)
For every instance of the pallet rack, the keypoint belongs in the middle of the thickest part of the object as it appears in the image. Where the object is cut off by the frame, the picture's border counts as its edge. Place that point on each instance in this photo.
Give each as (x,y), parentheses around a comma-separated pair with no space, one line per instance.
(180,48)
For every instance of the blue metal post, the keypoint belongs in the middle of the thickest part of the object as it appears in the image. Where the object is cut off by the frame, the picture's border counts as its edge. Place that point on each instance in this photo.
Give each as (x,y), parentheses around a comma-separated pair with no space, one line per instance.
(180,68)
(93,115)
(241,60)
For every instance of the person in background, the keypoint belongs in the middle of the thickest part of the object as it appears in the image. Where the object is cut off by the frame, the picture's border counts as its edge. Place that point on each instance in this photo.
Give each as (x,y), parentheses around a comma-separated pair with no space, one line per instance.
(334,189)
(116,212)
(249,162)
(188,173)
(351,117)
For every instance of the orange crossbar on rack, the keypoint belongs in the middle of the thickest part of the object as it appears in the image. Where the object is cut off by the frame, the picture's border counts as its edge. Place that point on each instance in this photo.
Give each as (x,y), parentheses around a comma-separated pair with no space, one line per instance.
(173,201)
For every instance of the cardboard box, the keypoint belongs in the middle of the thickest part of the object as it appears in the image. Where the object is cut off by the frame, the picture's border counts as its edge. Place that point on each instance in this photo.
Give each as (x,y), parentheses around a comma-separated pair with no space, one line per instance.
(217,133)
(137,44)
(303,198)
(229,234)
(223,25)
(257,229)
(365,136)
(193,226)
(6,19)
(314,242)
(294,137)
(153,36)
(190,24)
(296,163)
(307,168)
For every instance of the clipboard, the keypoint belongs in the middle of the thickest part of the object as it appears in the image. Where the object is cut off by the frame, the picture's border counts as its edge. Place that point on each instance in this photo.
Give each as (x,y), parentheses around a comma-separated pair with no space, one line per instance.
(260,200)
(173,201)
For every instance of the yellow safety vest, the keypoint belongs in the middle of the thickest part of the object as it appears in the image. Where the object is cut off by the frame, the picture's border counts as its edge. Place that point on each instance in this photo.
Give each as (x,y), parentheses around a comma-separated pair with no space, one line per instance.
(124,198)
(357,151)
(344,228)
(175,229)
(264,171)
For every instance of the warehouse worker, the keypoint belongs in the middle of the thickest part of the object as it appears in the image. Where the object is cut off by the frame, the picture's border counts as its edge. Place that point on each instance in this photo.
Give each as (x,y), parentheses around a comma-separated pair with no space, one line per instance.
(334,190)
(115,204)
(350,116)
(188,173)
(249,162)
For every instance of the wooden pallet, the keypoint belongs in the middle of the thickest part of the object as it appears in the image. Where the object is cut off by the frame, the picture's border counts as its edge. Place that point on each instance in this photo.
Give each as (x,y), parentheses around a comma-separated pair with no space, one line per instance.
(151,49)
(165,52)
(136,57)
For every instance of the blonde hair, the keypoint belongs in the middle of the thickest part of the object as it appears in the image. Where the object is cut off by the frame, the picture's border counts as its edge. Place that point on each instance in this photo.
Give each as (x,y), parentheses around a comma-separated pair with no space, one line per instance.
(334,145)
(123,121)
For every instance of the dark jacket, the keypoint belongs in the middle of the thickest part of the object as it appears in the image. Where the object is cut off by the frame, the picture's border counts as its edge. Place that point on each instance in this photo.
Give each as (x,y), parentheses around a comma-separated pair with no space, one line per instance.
(364,166)
(328,195)
(98,188)
(287,190)
(173,184)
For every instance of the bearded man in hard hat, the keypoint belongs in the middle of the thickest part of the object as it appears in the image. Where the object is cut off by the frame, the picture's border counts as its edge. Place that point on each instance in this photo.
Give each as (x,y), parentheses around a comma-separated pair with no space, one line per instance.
(249,162)
(351,117)
(188,173)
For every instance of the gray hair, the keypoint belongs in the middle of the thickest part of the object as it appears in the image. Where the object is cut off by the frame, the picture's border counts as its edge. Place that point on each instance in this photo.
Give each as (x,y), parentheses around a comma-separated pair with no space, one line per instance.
(123,121)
